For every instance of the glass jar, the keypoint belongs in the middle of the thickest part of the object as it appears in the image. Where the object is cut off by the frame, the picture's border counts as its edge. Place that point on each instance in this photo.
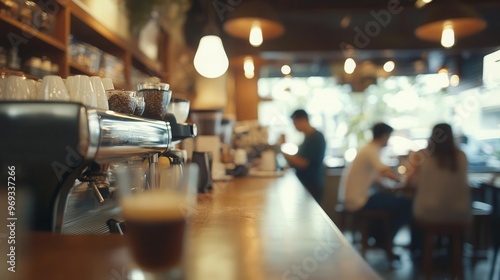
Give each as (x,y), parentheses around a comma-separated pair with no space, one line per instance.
(26,12)
(9,8)
(121,101)
(157,97)
(44,22)
(140,104)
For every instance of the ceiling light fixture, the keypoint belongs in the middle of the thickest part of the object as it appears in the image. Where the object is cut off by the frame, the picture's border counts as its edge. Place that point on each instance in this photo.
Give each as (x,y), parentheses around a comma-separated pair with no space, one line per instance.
(421,3)
(389,66)
(455,80)
(448,35)
(443,78)
(254,20)
(256,38)
(210,59)
(446,21)
(349,65)
(286,70)
(249,67)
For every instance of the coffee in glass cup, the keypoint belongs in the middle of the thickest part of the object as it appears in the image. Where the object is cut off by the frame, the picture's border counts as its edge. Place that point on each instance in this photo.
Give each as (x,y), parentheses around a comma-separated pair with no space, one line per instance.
(156,217)
(155,228)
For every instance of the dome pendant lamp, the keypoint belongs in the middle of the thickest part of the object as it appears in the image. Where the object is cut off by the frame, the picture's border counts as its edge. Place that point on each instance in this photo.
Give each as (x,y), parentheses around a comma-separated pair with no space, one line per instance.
(446,21)
(255,21)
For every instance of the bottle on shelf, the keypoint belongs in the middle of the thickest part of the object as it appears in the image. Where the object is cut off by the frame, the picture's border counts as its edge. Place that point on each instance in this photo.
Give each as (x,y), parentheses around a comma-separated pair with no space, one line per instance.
(14,60)
(34,67)
(46,66)
(3,58)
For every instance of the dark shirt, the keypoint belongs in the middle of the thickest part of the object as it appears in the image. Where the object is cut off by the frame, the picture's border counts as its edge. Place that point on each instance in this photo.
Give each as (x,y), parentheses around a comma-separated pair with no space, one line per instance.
(313,149)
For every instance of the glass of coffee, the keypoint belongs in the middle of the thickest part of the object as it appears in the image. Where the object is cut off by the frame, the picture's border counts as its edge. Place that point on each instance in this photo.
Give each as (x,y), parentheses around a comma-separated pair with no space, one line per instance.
(156,217)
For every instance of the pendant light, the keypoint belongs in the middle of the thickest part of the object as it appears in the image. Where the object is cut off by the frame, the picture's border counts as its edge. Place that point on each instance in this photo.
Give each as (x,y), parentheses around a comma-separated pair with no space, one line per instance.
(210,59)
(255,21)
(446,21)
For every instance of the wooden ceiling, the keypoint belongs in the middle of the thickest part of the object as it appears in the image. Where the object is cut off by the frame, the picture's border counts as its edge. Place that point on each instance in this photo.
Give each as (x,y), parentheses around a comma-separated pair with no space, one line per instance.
(317,30)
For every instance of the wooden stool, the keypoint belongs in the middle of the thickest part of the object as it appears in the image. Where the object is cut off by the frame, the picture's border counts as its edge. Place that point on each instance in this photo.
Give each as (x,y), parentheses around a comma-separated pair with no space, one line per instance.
(455,232)
(480,232)
(363,219)
(345,221)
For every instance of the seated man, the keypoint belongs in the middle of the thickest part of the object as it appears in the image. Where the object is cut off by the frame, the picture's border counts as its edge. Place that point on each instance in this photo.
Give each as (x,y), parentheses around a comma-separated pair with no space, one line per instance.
(356,192)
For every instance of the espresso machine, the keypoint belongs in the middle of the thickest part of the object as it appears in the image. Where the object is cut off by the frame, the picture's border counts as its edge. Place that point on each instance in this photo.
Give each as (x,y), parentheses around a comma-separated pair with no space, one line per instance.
(62,153)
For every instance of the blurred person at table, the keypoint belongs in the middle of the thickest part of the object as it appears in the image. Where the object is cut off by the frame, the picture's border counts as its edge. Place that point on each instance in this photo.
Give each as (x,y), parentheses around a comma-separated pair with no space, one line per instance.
(308,162)
(439,175)
(358,191)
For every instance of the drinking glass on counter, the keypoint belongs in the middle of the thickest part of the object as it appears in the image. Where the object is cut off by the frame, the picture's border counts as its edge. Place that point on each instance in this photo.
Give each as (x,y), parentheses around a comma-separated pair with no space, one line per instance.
(156,219)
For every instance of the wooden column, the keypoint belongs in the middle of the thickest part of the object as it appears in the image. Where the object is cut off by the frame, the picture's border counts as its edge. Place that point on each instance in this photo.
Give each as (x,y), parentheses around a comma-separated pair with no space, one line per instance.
(246,95)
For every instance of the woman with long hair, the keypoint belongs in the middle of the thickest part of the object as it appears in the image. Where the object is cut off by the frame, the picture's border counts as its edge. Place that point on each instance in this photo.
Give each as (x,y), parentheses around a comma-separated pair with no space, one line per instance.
(439,174)
(440,178)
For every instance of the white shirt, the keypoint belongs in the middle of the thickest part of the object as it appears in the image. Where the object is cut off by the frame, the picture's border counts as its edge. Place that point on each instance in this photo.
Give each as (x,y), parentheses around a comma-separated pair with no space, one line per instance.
(442,195)
(359,176)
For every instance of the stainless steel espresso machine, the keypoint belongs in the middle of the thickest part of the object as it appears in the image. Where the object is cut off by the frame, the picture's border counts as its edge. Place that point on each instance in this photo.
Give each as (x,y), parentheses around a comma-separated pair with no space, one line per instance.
(62,152)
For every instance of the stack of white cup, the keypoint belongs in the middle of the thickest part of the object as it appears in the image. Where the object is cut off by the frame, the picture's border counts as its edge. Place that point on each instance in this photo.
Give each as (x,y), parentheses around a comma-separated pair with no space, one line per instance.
(91,91)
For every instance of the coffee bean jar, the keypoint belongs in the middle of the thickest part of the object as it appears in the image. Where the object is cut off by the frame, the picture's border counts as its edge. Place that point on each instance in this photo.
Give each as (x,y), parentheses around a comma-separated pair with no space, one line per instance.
(157,97)
(121,101)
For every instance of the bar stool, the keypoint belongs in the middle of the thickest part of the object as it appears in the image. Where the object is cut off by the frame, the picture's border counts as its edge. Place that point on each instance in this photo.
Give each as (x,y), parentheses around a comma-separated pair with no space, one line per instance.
(363,219)
(455,232)
(480,231)
(360,222)
(345,221)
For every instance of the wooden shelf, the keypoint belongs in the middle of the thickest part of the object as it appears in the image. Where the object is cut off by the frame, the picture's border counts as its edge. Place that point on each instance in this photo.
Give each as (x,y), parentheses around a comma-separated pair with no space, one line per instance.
(89,30)
(8,72)
(79,69)
(27,36)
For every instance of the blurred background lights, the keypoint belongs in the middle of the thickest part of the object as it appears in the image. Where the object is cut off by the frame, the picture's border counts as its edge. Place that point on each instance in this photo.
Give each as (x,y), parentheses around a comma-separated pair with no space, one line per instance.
(389,66)
(350,154)
(454,80)
(286,70)
(349,66)
(289,148)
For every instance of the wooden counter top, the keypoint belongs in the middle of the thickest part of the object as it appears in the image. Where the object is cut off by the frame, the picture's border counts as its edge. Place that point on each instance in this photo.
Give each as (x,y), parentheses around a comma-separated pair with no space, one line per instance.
(248,228)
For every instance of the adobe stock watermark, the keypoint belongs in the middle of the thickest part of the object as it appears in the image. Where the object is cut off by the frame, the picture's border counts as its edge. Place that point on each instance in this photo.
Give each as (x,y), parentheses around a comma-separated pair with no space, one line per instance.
(469,104)
(72,160)
(373,28)
(464,109)
(224,6)
(322,252)
(416,159)
(120,274)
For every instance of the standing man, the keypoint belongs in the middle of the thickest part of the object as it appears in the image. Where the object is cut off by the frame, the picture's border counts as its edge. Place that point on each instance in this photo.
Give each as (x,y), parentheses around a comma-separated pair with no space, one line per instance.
(356,192)
(308,162)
